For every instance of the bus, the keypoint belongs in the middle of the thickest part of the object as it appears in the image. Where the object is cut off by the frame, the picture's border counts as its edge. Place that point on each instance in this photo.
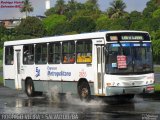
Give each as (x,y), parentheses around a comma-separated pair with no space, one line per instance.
(103,64)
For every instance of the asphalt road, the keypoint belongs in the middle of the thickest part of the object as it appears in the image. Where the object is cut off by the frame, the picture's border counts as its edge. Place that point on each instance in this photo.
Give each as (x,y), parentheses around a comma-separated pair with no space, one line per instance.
(15,104)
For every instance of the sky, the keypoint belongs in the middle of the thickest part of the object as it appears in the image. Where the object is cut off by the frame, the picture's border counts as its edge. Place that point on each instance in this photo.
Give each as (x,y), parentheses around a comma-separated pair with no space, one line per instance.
(39,7)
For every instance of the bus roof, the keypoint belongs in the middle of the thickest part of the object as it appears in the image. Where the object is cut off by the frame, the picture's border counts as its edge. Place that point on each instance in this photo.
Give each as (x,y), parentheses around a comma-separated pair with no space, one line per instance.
(92,35)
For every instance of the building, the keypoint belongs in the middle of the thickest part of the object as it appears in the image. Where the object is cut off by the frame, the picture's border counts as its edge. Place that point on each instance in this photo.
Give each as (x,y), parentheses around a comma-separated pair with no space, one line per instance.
(10,23)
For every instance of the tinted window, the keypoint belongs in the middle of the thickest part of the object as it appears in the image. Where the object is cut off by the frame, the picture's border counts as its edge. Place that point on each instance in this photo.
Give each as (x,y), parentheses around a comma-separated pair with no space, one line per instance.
(41,53)
(9,53)
(68,52)
(84,51)
(28,54)
(54,53)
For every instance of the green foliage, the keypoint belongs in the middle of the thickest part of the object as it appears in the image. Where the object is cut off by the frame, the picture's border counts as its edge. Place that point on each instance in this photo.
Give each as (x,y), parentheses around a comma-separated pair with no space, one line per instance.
(117,9)
(52,22)
(6,35)
(91,5)
(156,51)
(103,22)
(151,7)
(120,24)
(83,24)
(135,16)
(157,69)
(31,26)
(1,80)
(60,7)
(73,8)
(1,54)
(156,13)
(50,11)
(157,87)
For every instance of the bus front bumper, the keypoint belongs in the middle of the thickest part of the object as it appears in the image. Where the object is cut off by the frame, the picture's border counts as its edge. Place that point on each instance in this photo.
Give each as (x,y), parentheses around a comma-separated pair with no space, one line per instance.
(129,90)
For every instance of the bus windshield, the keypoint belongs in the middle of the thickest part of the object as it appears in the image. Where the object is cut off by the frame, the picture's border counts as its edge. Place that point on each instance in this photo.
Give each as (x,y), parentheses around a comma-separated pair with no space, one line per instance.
(129,58)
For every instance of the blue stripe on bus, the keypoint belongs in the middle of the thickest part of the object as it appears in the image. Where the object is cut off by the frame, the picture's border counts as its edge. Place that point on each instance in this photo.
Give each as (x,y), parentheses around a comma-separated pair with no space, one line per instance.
(131,44)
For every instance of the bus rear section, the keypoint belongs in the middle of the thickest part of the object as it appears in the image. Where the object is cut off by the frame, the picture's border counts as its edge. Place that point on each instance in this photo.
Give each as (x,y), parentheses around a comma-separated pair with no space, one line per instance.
(12,66)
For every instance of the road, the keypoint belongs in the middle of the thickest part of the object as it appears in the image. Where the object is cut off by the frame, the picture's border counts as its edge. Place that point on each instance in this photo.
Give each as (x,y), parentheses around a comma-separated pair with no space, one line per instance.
(16,105)
(47,107)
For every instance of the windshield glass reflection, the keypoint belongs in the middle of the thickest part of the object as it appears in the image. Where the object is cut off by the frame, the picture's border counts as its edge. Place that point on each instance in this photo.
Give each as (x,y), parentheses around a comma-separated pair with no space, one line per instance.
(128,58)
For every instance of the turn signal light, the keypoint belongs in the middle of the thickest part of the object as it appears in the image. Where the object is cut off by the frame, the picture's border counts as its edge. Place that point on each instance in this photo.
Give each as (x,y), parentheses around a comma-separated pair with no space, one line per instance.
(108,84)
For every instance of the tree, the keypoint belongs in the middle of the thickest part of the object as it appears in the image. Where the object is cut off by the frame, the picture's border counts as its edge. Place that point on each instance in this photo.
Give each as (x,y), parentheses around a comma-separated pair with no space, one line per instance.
(156,13)
(92,5)
(72,6)
(83,24)
(50,11)
(26,7)
(117,9)
(60,7)
(158,2)
(134,18)
(156,51)
(31,26)
(151,7)
(52,21)
(102,23)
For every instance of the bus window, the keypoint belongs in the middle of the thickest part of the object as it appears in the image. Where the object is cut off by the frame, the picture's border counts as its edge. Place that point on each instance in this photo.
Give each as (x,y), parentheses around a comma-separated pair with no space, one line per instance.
(84,51)
(41,53)
(54,53)
(68,52)
(9,52)
(28,54)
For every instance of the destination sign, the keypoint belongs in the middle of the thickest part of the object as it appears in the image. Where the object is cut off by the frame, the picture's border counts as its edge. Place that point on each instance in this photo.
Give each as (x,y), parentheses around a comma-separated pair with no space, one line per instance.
(132,38)
(128,36)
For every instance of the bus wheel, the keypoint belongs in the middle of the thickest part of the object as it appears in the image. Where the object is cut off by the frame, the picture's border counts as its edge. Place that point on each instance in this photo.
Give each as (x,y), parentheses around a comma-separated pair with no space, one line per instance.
(29,88)
(84,91)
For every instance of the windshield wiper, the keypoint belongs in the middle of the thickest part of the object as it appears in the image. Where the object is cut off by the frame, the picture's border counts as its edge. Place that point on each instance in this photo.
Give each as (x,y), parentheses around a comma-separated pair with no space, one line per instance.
(121,47)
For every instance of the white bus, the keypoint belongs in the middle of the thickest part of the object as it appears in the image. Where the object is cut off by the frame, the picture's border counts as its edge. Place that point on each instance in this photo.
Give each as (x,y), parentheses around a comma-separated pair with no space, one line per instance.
(90,64)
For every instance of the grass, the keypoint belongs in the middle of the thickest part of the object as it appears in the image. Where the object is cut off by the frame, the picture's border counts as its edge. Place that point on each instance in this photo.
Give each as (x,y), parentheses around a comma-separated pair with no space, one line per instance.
(1,65)
(157,69)
(157,87)
(1,77)
(1,80)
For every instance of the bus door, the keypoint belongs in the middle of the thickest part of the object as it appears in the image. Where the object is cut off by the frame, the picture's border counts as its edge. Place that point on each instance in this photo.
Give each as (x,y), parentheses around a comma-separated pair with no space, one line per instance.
(17,62)
(99,66)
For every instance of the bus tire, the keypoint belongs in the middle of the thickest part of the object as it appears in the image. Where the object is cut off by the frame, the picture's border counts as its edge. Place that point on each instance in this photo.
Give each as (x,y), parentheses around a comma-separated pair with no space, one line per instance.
(84,91)
(29,88)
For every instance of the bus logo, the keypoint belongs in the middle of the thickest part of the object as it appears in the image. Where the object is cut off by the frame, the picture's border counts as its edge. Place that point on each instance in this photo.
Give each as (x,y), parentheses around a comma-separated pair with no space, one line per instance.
(37,72)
